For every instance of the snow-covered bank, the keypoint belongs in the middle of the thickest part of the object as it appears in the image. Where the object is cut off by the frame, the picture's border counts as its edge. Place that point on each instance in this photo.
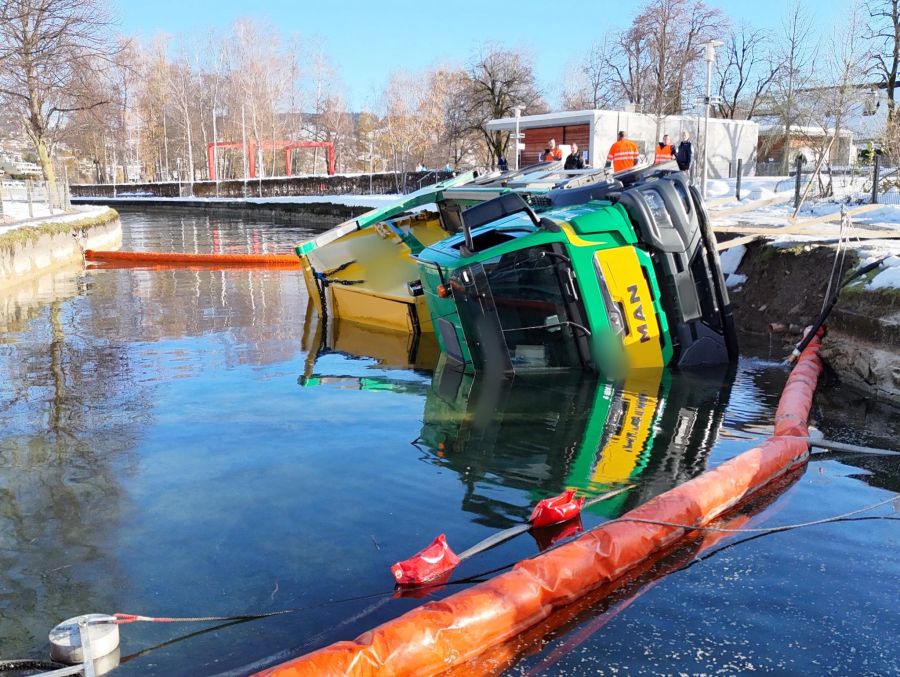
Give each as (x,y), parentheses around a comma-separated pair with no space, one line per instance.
(33,247)
(44,216)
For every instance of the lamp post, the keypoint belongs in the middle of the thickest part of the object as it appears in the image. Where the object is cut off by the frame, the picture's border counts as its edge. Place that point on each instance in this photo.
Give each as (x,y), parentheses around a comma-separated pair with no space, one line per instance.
(518,113)
(709,55)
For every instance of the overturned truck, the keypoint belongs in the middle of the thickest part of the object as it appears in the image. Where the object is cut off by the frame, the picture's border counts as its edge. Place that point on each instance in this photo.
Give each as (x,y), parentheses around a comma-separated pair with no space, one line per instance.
(542,270)
(611,277)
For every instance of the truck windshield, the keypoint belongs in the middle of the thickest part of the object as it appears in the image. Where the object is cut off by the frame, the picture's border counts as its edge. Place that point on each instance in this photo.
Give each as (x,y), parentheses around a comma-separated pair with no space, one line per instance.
(517,311)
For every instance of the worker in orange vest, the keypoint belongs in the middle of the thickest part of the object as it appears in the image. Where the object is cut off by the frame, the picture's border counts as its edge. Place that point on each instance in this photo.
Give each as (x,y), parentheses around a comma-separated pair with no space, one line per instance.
(552,153)
(664,152)
(623,154)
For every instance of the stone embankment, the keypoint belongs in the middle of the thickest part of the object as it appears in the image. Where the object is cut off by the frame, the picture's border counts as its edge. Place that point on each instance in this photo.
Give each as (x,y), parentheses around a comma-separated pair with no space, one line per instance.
(28,250)
(784,291)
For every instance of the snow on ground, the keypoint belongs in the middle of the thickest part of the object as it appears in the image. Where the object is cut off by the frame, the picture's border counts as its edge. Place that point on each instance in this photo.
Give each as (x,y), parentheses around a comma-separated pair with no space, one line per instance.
(14,211)
(731,259)
(776,216)
(371,201)
(77,213)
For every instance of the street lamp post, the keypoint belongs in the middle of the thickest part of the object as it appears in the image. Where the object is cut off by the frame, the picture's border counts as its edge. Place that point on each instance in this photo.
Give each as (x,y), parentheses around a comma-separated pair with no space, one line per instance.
(518,113)
(709,54)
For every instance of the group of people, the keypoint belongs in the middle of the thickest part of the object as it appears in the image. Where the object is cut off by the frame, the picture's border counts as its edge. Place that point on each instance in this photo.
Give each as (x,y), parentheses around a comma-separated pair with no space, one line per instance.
(553,153)
(624,153)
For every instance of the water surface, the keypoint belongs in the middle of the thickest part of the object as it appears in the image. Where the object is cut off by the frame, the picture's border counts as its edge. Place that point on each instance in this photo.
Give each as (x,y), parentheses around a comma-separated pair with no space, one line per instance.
(179,443)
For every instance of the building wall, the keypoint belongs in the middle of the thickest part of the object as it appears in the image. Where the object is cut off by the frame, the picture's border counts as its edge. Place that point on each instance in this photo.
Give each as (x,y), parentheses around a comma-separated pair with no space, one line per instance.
(729,140)
(537,138)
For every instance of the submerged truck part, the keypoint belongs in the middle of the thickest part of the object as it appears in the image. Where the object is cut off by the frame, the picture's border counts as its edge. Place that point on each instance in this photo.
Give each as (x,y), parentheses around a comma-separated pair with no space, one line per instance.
(445,634)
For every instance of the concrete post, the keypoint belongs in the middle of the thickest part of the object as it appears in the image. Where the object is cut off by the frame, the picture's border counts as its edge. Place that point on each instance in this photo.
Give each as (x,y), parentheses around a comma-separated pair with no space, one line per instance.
(28,196)
(798,181)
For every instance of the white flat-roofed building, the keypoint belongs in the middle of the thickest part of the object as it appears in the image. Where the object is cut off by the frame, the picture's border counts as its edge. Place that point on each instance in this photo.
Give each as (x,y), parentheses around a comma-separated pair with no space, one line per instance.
(595,131)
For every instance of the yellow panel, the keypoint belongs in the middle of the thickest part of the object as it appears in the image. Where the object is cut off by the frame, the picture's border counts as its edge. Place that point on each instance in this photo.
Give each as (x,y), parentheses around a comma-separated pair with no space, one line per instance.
(350,303)
(626,284)
(621,454)
(382,262)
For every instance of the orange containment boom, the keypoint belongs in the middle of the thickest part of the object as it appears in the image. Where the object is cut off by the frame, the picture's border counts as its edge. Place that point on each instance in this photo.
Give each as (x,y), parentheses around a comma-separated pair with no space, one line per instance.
(445,634)
(188,260)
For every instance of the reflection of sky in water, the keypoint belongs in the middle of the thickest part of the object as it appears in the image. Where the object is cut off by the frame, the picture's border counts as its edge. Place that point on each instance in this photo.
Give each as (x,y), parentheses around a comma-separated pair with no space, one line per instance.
(169,447)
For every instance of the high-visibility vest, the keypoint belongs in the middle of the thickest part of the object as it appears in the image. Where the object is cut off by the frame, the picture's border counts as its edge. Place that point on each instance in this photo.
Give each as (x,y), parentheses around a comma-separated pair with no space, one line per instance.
(552,155)
(623,154)
(664,153)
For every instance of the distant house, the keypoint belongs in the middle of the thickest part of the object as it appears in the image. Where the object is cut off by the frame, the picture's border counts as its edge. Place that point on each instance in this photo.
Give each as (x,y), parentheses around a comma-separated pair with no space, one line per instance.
(862,122)
(807,141)
(595,131)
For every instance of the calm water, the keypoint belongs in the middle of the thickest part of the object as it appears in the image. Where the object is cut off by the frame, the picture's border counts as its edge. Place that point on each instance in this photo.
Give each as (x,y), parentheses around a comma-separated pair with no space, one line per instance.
(178,443)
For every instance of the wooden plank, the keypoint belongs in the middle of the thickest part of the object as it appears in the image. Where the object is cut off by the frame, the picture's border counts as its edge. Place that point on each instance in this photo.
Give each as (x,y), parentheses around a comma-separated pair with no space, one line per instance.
(794,228)
(579,134)
(747,239)
(756,204)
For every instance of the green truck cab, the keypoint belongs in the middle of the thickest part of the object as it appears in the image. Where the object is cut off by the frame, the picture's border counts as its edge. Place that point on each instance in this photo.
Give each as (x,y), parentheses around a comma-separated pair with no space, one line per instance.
(617,276)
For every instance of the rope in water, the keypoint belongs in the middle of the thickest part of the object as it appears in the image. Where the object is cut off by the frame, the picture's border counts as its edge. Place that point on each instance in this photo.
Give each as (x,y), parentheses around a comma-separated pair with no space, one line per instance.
(761,530)
(121,618)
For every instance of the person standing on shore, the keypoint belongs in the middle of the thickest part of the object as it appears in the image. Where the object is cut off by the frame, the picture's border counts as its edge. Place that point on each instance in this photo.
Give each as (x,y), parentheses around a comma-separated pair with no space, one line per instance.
(623,154)
(552,153)
(685,153)
(574,161)
(664,152)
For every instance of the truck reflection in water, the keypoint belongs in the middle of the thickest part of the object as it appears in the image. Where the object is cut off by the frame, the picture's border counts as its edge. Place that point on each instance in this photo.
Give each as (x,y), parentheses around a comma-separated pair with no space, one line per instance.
(538,434)
(542,435)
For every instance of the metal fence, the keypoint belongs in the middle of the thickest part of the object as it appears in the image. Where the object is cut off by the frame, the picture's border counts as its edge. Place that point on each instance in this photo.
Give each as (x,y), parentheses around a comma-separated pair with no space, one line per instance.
(877,182)
(352,184)
(32,199)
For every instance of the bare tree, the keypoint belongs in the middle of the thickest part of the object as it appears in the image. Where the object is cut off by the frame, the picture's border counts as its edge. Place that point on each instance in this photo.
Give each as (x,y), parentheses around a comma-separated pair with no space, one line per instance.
(653,63)
(51,49)
(590,85)
(842,68)
(884,31)
(796,54)
(746,71)
(500,80)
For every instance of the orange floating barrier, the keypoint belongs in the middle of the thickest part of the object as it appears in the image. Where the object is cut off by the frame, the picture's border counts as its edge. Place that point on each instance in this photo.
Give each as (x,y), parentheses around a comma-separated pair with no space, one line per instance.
(445,634)
(153,258)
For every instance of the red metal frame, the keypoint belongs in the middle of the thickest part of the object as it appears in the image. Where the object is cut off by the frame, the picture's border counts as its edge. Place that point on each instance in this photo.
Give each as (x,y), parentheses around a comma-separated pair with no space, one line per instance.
(287,146)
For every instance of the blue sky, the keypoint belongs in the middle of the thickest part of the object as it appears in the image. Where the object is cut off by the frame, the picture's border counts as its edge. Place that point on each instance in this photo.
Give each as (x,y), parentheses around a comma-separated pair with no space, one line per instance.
(367,39)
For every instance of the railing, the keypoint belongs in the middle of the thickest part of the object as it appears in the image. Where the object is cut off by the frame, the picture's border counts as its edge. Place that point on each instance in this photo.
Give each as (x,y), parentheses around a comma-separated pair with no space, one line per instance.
(32,199)
(352,184)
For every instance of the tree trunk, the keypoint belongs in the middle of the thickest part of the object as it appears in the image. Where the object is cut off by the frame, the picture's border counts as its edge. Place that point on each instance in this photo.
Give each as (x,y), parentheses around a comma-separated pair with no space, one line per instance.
(43,153)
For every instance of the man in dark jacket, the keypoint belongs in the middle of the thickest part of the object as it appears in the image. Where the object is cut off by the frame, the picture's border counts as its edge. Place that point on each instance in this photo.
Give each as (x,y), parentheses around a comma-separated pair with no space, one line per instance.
(574,161)
(685,153)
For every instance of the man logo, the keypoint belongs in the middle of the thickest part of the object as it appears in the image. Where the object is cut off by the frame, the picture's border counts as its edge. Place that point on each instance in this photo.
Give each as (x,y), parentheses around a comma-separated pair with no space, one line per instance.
(638,313)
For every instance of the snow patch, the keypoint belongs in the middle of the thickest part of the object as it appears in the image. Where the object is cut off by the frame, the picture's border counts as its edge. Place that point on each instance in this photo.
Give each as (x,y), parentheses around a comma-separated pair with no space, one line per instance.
(735,280)
(731,259)
(887,279)
(718,188)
